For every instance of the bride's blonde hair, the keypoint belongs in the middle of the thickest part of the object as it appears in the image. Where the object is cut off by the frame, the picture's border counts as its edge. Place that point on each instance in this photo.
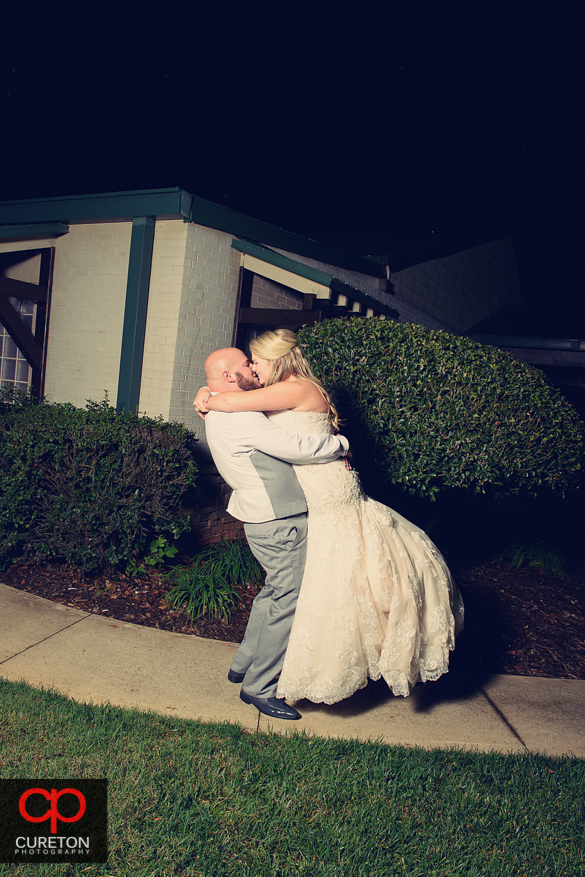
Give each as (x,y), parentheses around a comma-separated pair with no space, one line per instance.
(286,358)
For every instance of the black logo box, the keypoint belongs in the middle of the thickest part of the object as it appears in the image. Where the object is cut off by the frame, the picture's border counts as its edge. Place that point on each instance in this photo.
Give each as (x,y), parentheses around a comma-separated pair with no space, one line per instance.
(82,840)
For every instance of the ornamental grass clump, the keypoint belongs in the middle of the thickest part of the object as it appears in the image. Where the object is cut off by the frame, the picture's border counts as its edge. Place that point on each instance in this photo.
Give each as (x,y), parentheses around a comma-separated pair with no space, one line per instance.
(437,412)
(91,486)
(207,587)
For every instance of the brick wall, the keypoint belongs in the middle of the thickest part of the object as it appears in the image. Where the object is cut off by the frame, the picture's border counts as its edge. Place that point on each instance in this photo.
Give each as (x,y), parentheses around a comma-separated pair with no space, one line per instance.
(164,304)
(209,518)
(87,312)
(268,294)
(456,291)
(205,322)
(206,315)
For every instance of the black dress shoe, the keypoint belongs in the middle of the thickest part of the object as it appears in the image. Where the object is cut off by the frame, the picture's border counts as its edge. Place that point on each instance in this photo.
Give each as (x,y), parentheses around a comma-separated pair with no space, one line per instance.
(275,707)
(236,677)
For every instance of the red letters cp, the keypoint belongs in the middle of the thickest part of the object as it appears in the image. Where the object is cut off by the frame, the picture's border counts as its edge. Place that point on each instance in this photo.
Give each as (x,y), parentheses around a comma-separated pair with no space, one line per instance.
(53,812)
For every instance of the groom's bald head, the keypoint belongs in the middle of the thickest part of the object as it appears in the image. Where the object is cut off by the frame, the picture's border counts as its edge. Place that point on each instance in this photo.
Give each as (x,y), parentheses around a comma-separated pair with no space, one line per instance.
(229,369)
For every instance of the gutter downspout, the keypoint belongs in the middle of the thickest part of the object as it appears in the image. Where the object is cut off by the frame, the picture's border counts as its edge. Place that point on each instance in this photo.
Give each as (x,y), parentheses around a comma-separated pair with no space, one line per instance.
(133,333)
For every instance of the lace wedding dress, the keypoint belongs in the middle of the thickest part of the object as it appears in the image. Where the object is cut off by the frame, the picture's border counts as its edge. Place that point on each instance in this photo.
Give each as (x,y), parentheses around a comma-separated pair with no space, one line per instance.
(377,598)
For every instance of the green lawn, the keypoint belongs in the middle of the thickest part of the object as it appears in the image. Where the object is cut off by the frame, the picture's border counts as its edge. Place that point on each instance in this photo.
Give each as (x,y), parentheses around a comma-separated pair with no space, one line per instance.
(187,798)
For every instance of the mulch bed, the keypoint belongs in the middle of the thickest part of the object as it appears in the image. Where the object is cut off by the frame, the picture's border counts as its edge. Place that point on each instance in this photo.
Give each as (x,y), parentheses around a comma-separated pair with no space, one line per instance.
(520,622)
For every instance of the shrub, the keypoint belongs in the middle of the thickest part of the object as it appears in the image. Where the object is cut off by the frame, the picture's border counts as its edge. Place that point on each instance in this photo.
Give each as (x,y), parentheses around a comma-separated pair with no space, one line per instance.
(440,412)
(91,486)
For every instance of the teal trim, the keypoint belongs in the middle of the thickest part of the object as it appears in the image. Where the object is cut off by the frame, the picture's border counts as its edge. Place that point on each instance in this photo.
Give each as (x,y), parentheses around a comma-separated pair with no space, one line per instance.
(222,218)
(314,274)
(173,202)
(132,353)
(177,203)
(283,262)
(20,232)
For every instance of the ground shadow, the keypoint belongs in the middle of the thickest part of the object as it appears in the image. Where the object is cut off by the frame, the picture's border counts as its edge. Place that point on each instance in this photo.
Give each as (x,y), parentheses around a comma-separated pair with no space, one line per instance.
(479,654)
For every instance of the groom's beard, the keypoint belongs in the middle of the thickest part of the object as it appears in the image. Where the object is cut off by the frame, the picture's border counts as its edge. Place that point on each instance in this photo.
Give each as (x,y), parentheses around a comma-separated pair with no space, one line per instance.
(246,383)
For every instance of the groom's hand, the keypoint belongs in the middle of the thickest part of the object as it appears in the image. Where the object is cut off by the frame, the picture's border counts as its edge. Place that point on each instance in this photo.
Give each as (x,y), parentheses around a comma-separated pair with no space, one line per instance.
(200,402)
(347,460)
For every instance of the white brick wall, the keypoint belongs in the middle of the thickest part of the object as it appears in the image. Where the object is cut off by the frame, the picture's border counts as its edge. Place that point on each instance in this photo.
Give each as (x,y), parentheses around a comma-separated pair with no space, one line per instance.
(454,292)
(194,282)
(268,294)
(206,315)
(27,270)
(87,312)
(164,303)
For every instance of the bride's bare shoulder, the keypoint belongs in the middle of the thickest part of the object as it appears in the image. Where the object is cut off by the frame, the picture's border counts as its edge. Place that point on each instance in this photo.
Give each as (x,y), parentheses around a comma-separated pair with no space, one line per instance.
(310,397)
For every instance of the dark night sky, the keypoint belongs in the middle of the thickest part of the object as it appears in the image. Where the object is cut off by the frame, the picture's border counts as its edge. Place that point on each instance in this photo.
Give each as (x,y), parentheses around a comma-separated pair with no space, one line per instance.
(418,114)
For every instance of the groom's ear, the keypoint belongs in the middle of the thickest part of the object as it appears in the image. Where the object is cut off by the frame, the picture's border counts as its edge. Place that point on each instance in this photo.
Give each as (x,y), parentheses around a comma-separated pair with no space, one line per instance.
(228,377)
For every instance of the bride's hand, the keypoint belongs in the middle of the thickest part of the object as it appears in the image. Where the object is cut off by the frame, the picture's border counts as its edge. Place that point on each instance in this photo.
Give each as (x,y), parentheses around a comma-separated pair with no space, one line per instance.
(347,461)
(200,402)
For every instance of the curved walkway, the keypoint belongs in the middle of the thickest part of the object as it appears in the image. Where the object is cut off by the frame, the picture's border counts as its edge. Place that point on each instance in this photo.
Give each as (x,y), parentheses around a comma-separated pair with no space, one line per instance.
(94,658)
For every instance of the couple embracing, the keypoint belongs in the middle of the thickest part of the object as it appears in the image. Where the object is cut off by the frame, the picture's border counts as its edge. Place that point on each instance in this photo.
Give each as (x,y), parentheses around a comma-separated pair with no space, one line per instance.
(377,599)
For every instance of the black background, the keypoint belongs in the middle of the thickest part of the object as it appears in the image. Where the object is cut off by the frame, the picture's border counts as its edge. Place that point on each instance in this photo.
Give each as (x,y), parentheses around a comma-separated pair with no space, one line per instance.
(324,119)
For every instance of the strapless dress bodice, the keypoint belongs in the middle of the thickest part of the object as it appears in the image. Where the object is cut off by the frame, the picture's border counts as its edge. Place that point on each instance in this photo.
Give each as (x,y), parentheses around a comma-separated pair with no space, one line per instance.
(330,488)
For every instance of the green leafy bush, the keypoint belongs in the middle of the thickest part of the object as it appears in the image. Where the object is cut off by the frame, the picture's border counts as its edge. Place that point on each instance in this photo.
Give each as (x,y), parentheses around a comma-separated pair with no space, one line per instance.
(438,412)
(91,486)
(207,587)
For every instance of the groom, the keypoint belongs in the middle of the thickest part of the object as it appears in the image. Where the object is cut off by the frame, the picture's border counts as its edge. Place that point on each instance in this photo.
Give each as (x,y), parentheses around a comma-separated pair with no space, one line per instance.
(254,456)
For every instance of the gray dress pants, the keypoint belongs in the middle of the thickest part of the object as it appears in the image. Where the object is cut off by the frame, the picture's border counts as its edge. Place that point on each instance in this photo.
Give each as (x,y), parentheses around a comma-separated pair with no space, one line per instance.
(281,548)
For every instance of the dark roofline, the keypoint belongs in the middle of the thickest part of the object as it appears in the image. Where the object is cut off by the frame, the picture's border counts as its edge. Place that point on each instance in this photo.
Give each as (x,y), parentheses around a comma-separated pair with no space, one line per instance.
(255,230)
(179,204)
(118,206)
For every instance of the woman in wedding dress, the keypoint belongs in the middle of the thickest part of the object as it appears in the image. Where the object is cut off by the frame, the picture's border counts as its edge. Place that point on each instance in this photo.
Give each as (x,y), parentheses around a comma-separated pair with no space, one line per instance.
(377,598)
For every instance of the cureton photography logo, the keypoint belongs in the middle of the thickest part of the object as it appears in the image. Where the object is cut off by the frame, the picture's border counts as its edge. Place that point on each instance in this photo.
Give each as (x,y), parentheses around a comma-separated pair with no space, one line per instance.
(52,820)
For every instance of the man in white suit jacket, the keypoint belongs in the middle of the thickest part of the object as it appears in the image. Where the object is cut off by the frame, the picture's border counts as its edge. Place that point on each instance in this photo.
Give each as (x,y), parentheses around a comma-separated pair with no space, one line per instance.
(254,456)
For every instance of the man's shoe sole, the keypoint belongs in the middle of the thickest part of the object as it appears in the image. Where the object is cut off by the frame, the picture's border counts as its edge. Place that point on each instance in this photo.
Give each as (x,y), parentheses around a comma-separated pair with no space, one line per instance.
(264,706)
(236,677)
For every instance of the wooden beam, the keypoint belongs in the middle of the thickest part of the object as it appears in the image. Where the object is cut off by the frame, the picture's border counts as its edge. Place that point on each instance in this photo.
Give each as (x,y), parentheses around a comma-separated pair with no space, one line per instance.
(276,317)
(304,285)
(20,289)
(20,334)
(42,321)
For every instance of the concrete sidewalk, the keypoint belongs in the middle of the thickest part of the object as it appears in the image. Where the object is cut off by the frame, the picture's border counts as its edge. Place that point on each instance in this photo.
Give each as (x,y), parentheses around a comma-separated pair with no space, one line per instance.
(93,658)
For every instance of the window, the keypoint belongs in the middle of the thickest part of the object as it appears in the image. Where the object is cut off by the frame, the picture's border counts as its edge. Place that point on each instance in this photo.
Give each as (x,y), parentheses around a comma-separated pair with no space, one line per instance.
(25,277)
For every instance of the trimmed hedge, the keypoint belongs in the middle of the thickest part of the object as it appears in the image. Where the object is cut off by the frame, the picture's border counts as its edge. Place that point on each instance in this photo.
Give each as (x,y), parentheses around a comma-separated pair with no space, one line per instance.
(91,486)
(438,412)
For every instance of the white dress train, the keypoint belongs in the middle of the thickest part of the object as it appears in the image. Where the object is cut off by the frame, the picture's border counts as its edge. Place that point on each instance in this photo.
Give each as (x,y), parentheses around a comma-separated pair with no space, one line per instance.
(377,598)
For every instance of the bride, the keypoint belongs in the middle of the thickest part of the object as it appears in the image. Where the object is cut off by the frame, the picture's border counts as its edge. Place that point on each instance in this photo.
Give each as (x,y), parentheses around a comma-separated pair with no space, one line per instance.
(377,598)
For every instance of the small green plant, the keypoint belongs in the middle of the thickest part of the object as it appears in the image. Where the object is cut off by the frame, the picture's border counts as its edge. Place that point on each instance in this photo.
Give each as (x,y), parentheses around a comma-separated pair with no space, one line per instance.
(160,551)
(207,587)
(204,590)
(536,556)
(236,560)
